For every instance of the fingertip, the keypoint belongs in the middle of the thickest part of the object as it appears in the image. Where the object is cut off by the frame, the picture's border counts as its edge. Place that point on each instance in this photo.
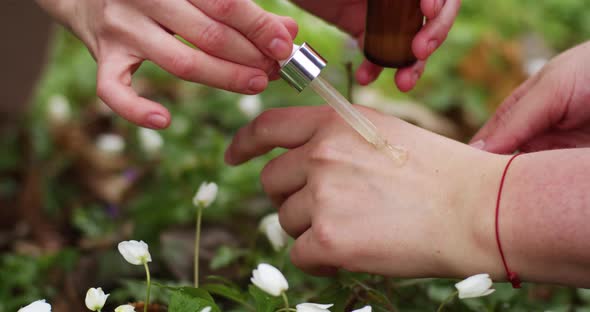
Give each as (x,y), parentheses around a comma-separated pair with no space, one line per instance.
(157,120)
(405,80)
(291,25)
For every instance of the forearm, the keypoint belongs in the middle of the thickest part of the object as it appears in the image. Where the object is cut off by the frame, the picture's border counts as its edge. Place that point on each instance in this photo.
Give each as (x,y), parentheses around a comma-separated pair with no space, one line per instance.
(544,216)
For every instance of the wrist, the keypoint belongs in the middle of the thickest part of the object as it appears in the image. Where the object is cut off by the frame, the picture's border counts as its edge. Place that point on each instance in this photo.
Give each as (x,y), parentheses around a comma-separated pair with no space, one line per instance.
(472,245)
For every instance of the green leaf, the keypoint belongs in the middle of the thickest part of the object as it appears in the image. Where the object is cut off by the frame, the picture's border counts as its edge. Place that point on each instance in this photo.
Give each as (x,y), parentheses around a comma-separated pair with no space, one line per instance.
(264,302)
(188,299)
(228,292)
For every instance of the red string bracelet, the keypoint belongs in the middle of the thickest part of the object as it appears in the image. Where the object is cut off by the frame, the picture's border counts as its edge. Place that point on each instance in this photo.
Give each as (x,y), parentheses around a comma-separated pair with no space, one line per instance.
(512,276)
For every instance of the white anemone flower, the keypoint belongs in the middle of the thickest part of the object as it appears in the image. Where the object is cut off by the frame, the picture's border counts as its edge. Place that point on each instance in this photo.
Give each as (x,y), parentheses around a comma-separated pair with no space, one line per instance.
(271,227)
(475,286)
(134,252)
(95,299)
(125,308)
(206,194)
(269,279)
(37,306)
(313,307)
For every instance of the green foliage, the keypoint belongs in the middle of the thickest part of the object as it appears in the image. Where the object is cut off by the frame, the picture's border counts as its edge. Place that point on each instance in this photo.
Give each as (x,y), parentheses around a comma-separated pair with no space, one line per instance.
(204,121)
(187,299)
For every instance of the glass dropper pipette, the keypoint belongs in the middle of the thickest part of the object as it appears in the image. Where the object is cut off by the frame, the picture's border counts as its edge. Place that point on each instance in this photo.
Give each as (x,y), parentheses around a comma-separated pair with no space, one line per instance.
(303,69)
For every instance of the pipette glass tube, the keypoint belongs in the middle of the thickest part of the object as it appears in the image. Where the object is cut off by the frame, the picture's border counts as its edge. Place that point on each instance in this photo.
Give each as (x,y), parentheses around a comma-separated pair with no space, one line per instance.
(303,69)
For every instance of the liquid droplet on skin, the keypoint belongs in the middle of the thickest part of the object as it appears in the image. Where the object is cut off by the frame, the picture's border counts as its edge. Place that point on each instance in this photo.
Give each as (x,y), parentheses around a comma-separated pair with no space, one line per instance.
(398,153)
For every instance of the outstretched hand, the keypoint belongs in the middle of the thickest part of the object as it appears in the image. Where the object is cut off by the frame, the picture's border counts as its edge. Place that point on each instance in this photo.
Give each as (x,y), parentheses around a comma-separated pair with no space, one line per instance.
(551,110)
(238,45)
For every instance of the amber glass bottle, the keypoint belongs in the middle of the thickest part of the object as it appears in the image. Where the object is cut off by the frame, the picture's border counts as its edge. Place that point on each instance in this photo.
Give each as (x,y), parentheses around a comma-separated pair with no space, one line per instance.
(391,27)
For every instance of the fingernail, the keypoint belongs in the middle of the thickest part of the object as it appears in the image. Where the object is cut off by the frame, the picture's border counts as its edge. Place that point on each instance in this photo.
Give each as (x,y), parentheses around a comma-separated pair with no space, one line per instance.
(157,121)
(478,144)
(432,45)
(258,84)
(280,49)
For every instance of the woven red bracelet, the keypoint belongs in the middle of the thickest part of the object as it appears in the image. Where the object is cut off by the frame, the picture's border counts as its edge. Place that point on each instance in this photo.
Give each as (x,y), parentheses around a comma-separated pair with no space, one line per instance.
(512,276)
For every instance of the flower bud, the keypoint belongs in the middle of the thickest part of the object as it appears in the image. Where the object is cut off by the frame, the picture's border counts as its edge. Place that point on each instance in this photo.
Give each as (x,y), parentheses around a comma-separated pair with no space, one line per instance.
(95,299)
(271,227)
(125,308)
(37,306)
(135,252)
(269,279)
(475,286)
(313,307)
(206,194)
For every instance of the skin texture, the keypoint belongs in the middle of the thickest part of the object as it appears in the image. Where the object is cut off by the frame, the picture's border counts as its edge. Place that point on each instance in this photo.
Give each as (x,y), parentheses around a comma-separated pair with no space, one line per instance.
(549,111)
(351,207)
(349,15)
(236,40)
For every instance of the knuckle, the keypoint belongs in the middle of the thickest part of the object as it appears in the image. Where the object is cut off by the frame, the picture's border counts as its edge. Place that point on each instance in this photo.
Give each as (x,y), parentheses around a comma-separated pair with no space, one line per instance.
(182,66)
(322,152)
(263,25)
(223,9)
(325,235)
(322,193)
(213,37)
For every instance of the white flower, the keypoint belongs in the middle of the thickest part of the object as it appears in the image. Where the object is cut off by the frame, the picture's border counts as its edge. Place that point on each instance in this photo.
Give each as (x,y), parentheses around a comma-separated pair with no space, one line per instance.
(110,143)
(150,140)
(269,279)
(313,307)
(58,109)
(95,299)
(274,232)
(135,252)
(475,286)
(250,105)
(206,309)
(365,309)
(125,308)
(206,194)
(37,306)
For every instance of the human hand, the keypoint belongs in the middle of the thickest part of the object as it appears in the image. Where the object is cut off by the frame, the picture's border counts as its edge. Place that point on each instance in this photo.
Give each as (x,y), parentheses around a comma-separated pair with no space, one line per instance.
(350,17)
(550,110)
(238,45)
(351,206)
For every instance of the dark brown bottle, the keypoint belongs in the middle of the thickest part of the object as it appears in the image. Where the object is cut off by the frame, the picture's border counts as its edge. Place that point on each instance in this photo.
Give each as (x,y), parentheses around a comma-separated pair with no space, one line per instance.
(391,28)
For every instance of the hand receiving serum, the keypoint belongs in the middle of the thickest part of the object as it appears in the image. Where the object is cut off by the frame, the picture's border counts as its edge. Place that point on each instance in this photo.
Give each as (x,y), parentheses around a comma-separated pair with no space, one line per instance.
(303,69)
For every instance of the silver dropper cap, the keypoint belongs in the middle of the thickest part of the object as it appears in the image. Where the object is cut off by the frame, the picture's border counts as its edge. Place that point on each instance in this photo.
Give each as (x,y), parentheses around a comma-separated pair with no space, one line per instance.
(304,65)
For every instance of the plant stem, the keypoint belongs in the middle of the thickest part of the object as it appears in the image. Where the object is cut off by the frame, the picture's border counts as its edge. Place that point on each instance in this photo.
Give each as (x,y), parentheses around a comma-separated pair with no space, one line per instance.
(198,243)
(447,300)
(286,309)
(286,300)
(149,287)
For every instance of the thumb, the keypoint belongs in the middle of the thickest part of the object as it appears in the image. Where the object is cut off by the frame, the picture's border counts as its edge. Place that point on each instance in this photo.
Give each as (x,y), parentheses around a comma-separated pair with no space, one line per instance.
(522,116)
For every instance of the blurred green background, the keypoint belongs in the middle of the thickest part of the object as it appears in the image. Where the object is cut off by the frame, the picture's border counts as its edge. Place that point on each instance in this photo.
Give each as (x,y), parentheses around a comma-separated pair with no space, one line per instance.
(77,204)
